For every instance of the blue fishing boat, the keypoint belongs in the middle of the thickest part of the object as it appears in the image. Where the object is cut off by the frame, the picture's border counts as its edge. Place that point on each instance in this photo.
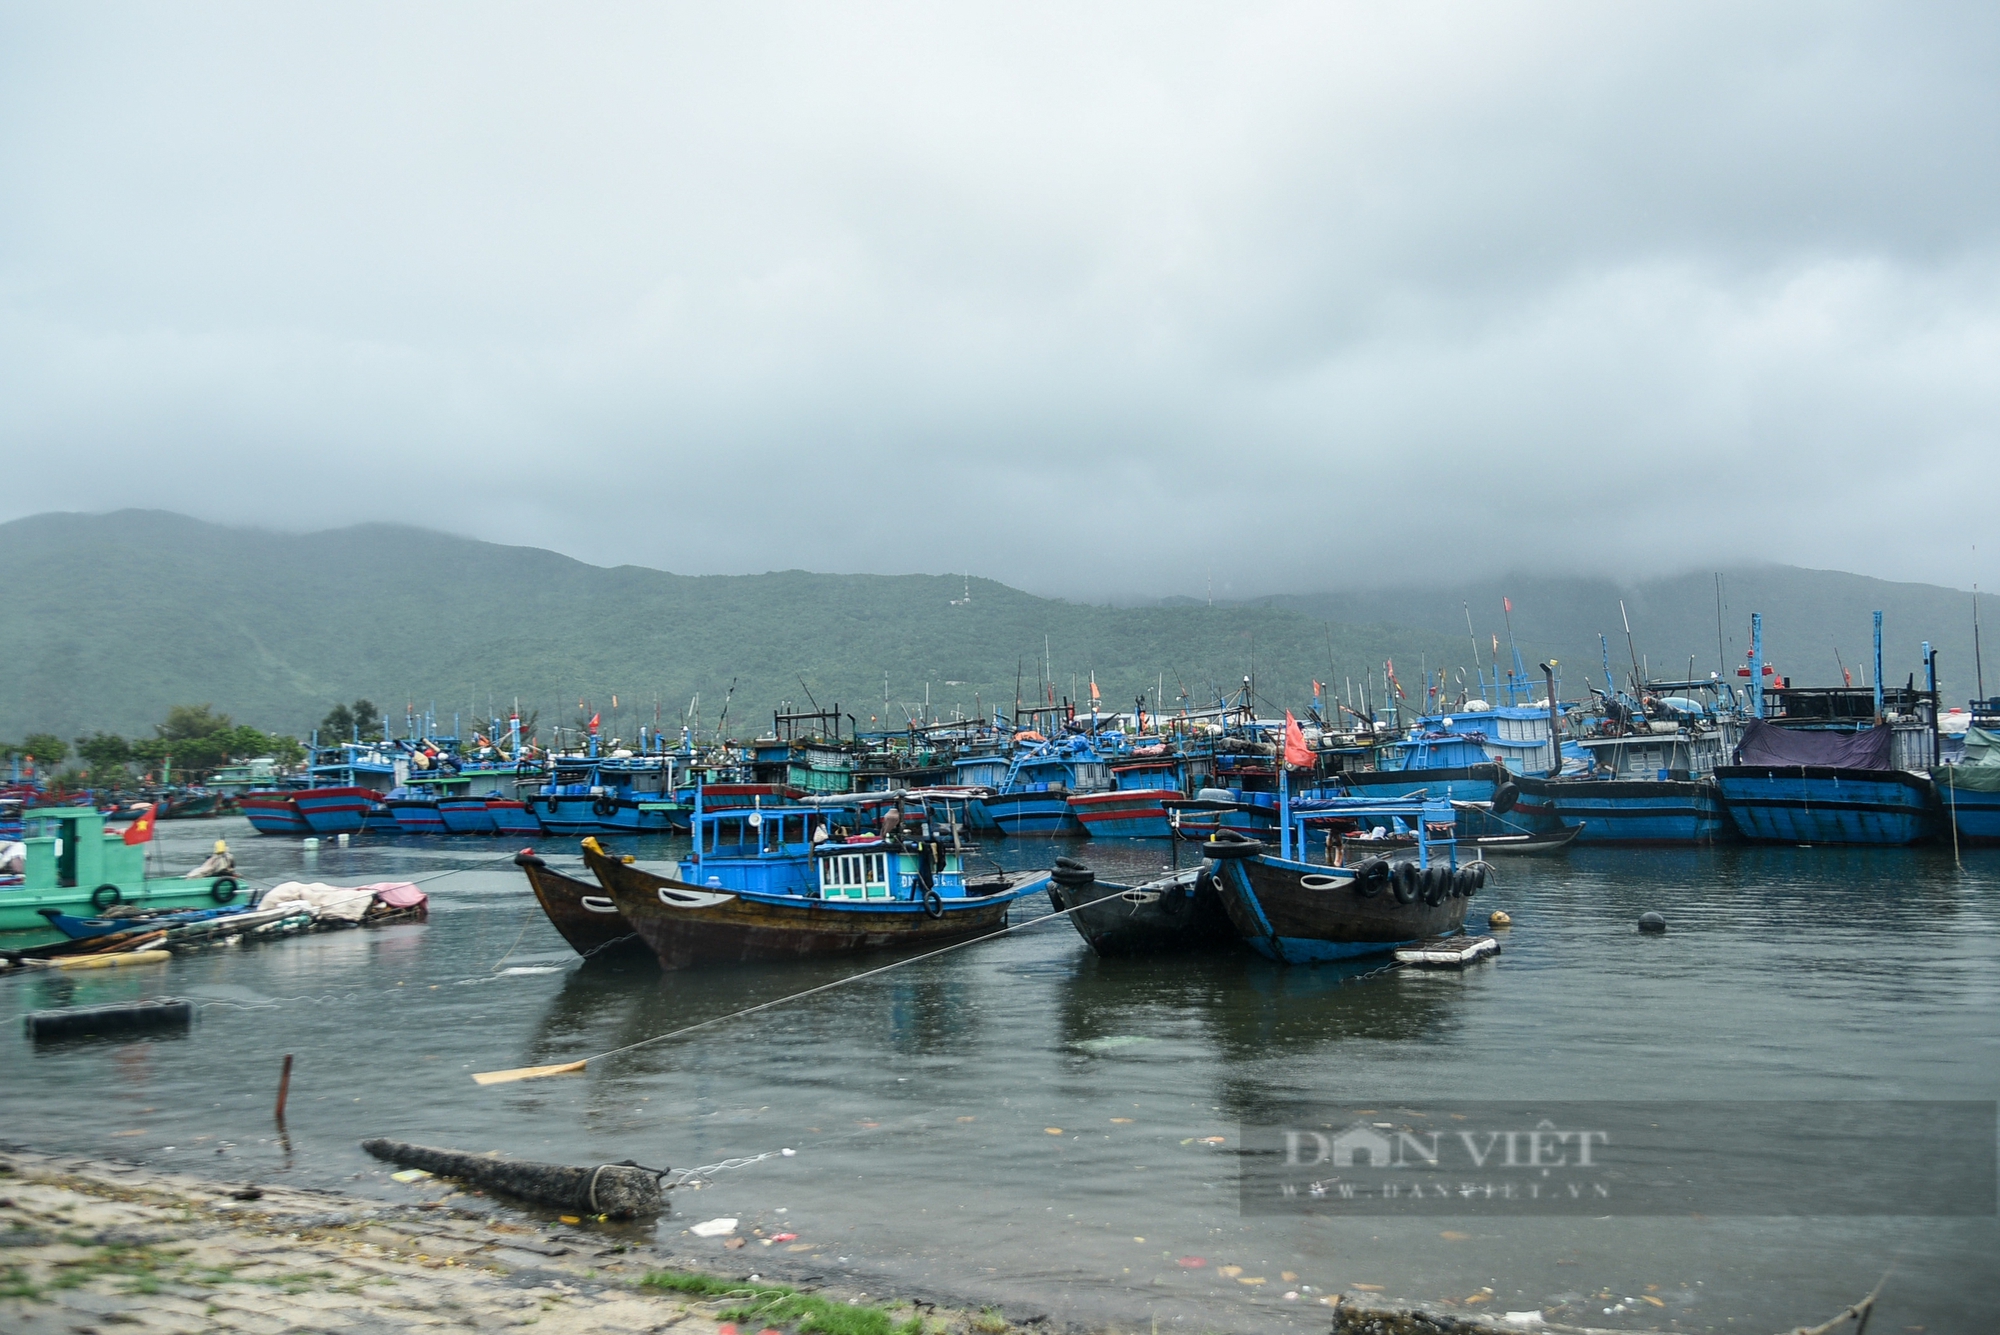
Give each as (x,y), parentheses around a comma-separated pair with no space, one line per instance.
(1650,779)
(78,928)
(1836,765)
(1033,796)
(1295,911)
(1969,787)
(617,794)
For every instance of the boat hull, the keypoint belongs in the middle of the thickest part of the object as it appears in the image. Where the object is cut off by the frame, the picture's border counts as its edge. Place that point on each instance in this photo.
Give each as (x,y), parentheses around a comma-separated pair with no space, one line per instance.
(1124,813)
(1811,804)
(21,909)
(1164,917)
(1034,814)
(580,910)
(690,925)
(270,814)
(334,810)
(1627,811)
(417,815)
(465,815)
(1305,913)
(582,814)
(511,817)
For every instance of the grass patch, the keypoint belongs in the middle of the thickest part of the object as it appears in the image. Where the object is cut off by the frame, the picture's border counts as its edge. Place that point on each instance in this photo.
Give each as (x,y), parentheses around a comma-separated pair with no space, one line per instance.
(777,1305)
(14,1283)
(142,1267)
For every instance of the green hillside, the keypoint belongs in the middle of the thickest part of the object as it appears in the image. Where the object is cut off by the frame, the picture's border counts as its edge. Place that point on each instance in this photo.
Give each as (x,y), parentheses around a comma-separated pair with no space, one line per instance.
(111,619)
(1810,616)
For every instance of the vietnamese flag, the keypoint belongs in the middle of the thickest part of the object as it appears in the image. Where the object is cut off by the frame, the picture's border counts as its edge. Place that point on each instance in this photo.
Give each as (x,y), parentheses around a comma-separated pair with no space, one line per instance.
(140,831)
(593,723)
(1297,754)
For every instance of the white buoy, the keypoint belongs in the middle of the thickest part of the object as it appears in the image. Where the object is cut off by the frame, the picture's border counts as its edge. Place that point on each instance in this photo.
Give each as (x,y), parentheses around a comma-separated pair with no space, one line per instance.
(311,844)
(342,840)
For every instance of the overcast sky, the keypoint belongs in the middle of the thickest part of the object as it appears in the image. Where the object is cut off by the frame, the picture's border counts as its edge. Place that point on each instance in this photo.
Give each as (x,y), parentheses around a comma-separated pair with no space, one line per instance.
(1095,299)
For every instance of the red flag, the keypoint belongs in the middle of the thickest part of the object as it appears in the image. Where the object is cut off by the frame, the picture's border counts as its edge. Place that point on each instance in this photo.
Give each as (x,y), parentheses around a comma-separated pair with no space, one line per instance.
(1297,754)
(140,831)
(593,723)
(1507,603)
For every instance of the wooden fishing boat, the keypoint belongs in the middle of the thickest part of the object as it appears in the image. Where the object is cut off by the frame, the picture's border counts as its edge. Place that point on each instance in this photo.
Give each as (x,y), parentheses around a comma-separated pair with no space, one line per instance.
(1178,912)
(1299,912)
(580,910)
(771,883)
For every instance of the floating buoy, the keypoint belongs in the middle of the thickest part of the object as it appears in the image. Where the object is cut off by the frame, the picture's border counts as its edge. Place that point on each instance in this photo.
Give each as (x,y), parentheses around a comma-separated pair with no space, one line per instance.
(1652,922)
(1499,918)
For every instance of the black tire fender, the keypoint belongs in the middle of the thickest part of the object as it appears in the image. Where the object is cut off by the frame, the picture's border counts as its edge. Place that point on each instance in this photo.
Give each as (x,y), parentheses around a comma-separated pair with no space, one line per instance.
(104,896)
(1232,844)
(1404,879)
(1437,885)
(224,889)
(1370,877)
(605,807)
(1505,796)
(933,905)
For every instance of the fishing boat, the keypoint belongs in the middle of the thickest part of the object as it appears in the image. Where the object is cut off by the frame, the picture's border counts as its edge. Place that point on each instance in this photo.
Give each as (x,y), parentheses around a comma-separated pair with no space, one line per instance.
(1033,799)
(78,928)
(272,811)
(773,882)
(1836,765)
(1136,804)
(73,865)
(1180,911)
(1295,911)
(1650,776)
(580,910)
(1969,788)
(1382,842)
(617,794)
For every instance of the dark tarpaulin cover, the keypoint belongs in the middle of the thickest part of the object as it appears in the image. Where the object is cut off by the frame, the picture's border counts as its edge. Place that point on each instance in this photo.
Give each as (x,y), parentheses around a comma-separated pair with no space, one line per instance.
(1764,744)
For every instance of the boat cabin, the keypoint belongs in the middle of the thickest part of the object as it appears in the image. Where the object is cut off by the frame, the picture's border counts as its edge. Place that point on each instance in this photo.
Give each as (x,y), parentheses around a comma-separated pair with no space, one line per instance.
(69,847)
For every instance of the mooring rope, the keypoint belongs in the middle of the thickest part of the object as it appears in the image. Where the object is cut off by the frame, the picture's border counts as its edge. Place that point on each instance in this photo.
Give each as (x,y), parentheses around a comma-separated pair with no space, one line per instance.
(838,982)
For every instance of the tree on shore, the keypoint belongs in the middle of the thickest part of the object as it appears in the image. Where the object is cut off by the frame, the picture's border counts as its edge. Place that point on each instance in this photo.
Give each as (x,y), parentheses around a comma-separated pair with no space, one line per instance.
(346,722)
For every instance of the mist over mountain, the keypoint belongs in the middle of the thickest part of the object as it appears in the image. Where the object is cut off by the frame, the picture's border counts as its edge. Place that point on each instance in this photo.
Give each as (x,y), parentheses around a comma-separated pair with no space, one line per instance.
(1814,622)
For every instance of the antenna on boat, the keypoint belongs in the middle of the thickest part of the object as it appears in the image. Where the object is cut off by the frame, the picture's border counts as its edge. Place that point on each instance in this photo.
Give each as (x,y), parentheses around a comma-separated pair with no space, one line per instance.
(1721,659)
(1978,667)
(1638,677)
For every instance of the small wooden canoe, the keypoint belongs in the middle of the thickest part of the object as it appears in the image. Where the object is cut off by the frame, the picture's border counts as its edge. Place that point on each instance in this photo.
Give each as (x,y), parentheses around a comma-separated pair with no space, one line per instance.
(580,910)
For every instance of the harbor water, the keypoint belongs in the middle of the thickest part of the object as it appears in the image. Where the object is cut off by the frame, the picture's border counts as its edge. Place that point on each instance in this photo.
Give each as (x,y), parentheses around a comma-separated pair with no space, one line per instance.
(1023,1124)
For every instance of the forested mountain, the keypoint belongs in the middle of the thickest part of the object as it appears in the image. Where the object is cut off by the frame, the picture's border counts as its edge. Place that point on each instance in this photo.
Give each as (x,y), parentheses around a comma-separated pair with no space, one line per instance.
(111,619)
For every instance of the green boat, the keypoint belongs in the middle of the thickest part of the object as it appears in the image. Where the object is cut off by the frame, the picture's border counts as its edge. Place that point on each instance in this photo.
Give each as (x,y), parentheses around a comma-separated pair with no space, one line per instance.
(75,866)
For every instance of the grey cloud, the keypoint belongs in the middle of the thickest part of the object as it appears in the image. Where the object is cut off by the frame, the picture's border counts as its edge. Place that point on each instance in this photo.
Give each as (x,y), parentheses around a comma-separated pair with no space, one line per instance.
(1094,301)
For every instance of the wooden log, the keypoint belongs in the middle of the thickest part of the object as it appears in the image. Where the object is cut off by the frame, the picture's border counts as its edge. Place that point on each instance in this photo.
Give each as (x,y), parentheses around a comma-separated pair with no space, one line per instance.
(89,1021)
(621,1191)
